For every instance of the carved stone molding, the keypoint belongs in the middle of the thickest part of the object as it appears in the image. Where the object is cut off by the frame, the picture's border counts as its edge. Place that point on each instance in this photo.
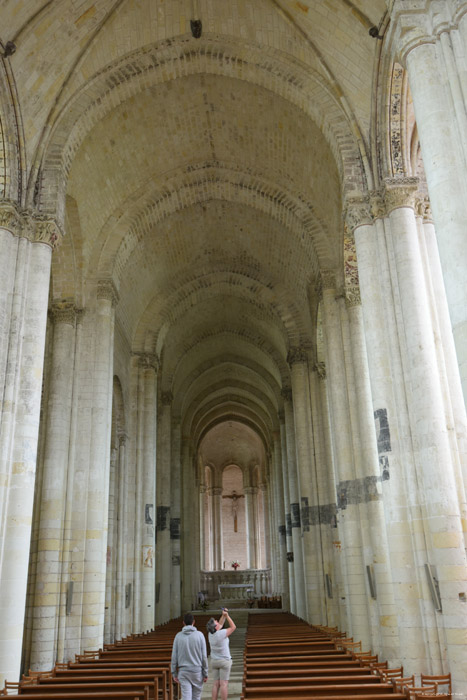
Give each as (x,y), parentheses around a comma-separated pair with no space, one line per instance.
(167,398)
(328,279)
(357,212)
(352,297)
(64,312)
(320,369)
(286,394)
(297,355)
(106,289)
(400,192)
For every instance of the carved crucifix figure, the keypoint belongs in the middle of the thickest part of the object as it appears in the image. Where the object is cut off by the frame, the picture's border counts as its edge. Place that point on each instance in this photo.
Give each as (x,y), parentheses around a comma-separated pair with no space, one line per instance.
(235,496)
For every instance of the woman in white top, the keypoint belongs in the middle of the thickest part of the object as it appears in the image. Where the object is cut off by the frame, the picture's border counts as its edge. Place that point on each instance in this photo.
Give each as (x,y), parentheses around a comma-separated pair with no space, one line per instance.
(221,661)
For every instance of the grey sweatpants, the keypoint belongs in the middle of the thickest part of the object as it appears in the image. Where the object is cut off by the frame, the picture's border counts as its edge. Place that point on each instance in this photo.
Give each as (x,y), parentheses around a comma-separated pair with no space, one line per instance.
(191,684)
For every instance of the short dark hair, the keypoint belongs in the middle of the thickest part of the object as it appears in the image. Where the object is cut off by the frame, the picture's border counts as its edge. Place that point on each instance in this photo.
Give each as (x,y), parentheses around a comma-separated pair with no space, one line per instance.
(188,618)
(211,625)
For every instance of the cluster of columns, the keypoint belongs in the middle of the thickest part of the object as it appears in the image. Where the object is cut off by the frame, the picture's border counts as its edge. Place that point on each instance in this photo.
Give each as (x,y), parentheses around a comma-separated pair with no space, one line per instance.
(430,39)
(414,393)
(26,243)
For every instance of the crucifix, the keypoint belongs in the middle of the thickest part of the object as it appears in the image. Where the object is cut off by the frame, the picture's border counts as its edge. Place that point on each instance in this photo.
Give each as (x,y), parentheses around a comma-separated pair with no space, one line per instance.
(235,496)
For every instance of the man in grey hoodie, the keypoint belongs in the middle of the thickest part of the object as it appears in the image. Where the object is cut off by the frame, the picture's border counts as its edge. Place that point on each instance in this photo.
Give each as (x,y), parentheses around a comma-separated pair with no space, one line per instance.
(190,660)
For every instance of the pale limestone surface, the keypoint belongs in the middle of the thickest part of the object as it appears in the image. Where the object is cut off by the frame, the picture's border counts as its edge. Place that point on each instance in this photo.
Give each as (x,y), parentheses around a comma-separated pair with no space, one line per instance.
(236,237)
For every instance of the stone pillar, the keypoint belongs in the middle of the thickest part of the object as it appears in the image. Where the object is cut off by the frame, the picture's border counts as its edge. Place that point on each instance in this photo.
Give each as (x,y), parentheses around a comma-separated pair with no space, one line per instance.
(217,545)
(122,501)
(25,257)
(94,567)
(50,534)
(191,524)
(163,475)
(394,439)
(264,529)
(294,509)
(439,498)
(279,520)
(250,495)
(175,519)
(350,538)
(332,553)
(148,372)
(288,518)
(437,77)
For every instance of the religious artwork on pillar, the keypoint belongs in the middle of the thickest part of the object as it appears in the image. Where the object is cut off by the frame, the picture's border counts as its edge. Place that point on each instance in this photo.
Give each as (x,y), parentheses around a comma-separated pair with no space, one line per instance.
(305,514)
(149,514)
(174,528)
(148,556)
(235,498)
(109,555)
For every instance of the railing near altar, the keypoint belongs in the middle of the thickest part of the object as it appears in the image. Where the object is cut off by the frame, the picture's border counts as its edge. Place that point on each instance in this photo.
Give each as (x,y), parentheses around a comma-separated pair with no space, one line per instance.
(241,584)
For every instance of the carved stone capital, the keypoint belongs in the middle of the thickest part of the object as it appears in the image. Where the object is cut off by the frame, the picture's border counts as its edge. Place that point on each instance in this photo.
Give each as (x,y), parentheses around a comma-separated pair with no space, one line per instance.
(122,438)
(148,361)
(328,279)
(411,26)
(11,218)
(377,204)
(46,230)
(106,289)
(216,491)
(352,296)
(286,394)
(167,398)
(64,312)
(400,192)
(423,209)
(281,416)
(320,369)
(357,212)
(297,355)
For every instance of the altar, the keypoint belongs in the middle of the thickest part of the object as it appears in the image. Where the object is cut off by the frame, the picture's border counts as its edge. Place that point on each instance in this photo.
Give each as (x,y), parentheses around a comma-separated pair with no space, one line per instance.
(235,591)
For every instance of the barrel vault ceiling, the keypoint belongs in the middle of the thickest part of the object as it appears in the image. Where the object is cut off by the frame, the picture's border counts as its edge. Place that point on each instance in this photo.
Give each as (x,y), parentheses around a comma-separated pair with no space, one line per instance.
(204,175)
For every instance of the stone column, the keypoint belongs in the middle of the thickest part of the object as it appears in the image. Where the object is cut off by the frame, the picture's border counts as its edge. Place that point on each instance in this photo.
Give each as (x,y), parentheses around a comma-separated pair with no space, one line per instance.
(437,80)
(264,524)
(350,538)
(382,610)
(148,373)
(53,493)
(94,567)
(393,434)
(122,500)
(191,524)
(288,519)
(250,495)
(279,520)
(175,519)
(163,476)
(25,257)
(439,498)
(217,544)
(294,509)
